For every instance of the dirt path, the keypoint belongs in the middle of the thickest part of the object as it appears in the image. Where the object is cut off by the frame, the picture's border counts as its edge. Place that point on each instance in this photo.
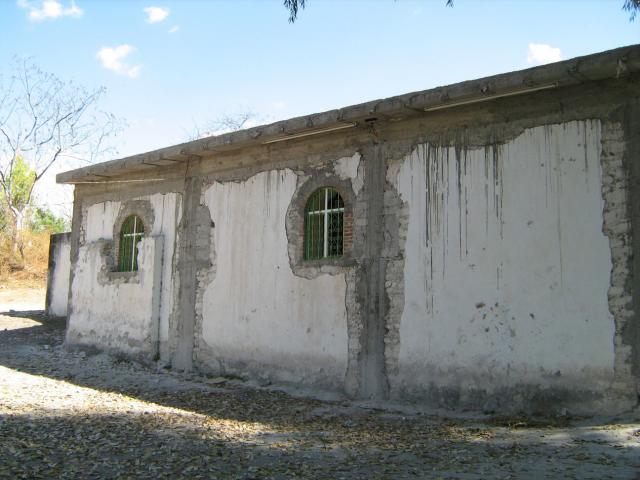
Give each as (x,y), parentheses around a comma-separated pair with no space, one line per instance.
(77,415)
(21,299)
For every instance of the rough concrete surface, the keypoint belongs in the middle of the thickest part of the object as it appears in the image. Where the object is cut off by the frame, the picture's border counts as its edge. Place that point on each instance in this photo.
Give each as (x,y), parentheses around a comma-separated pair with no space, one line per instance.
(79,414)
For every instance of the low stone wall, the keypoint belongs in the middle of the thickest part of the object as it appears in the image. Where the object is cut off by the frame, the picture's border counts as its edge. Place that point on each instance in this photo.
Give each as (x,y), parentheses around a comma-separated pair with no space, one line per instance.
(58,276)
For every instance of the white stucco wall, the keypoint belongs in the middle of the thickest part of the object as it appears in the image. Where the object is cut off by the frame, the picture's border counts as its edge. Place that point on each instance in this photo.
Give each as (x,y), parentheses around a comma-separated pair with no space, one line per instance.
(258,317)
(120,311)
(58,290)
(506,267)
(98,223)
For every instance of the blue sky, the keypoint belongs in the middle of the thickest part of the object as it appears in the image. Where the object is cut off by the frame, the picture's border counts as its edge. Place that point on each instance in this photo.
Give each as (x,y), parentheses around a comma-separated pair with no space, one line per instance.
(187,62)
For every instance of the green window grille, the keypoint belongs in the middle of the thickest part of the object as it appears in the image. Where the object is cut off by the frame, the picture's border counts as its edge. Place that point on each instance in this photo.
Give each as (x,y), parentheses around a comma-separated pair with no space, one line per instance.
(131,233)
(323,225)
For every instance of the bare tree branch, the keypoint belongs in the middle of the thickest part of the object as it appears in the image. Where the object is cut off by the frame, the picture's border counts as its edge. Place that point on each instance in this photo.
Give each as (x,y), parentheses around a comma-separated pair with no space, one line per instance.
(226,123)
(44,120)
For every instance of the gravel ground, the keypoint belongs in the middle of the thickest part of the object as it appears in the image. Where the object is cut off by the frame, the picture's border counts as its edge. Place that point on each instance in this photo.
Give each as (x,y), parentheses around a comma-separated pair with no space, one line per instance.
(80,415)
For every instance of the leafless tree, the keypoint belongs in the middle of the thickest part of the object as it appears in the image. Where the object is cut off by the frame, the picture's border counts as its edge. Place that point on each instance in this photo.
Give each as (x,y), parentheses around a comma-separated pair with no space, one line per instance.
(44,120)
(226,123)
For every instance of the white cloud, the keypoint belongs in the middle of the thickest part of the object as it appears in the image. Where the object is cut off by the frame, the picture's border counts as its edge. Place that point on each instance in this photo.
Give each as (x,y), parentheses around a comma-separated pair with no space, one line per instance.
(540,53)
(279,105)
(156,14)
(49,9)
(112,59)
(174,29)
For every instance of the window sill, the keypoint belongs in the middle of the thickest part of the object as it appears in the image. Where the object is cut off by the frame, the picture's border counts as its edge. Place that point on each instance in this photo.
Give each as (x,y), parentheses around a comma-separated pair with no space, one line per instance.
(327,266)
(121,277)
(318,262)
(124,274)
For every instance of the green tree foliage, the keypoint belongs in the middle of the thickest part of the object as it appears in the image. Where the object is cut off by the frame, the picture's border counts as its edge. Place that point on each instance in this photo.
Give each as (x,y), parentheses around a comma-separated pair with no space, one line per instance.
(43,219)
(294,6)
(21,179)
(632,6)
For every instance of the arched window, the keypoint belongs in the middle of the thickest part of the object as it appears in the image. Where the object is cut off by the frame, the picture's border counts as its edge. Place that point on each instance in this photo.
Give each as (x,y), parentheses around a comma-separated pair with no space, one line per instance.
(131,233)
(323,225)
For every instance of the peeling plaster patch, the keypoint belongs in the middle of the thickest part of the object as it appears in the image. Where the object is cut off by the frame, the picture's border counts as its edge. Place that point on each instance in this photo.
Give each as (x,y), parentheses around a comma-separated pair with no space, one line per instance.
(394,288)
(348,168)
(354,327)
(392,172)
(617,227)
(206,273)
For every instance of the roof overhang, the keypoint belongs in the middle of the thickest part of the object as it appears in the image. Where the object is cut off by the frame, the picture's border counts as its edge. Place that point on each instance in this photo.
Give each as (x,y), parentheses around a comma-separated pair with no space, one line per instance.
(600,66)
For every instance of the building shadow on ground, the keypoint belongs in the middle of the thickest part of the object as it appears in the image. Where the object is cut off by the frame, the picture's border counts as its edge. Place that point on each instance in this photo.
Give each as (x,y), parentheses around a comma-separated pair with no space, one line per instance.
(303,434)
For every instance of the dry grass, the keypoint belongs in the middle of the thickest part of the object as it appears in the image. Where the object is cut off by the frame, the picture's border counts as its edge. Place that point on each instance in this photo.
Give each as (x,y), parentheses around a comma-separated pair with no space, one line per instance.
(32,273)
